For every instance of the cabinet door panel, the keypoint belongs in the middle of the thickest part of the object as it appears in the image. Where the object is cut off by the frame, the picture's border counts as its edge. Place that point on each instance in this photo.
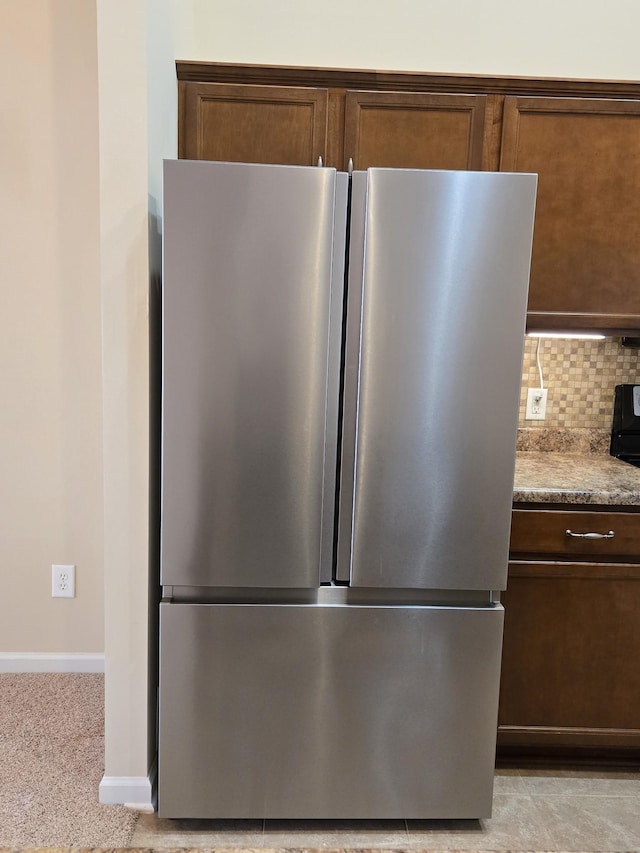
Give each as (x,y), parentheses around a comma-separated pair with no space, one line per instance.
(414,130)
(571,646)
(254,124)
(585,269)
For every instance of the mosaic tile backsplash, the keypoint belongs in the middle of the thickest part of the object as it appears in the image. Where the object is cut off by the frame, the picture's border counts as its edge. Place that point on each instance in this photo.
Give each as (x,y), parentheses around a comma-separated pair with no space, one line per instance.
(580,377)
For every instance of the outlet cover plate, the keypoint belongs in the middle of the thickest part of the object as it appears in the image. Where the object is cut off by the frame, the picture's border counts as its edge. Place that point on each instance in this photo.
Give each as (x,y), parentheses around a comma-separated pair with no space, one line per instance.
(536,404)
(63,581)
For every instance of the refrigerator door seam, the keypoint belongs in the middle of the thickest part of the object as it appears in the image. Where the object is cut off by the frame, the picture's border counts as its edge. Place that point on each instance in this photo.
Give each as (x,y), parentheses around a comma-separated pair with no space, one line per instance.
(355,299)
(333,377)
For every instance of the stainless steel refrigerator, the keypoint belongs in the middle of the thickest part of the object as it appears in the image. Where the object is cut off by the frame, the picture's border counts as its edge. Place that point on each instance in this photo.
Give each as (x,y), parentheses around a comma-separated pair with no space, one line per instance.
(337,474)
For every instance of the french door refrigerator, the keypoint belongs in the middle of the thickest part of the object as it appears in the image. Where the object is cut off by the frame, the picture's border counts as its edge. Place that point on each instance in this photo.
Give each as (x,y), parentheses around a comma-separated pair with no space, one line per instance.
(337,473)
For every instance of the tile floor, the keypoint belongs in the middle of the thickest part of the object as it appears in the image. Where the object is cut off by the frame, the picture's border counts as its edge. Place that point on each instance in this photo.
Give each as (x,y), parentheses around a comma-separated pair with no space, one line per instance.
(534,810)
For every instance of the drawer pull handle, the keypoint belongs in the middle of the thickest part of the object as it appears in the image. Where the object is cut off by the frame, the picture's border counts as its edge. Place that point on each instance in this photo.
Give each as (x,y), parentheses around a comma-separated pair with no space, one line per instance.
(608,535)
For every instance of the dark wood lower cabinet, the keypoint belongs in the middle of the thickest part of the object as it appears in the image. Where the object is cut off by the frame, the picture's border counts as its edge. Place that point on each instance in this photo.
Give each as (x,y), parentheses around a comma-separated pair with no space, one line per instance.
(570,688)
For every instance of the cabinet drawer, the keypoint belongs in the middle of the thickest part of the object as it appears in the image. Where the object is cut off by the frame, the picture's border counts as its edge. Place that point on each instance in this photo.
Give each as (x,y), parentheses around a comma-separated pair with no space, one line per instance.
(545,532)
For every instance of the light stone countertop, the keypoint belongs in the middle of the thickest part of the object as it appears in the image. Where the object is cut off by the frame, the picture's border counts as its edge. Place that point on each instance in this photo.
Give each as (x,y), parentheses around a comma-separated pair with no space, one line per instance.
(575,478)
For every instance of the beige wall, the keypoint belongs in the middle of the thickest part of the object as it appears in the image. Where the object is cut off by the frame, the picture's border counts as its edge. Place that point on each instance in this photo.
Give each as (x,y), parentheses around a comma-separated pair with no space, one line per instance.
(138,106)
(162,139)
(121,28)
(573,38)
(50,334)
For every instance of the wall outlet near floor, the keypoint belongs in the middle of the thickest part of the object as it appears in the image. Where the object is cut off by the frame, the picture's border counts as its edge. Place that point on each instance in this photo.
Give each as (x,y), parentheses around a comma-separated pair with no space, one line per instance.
(63,581)
(536,404)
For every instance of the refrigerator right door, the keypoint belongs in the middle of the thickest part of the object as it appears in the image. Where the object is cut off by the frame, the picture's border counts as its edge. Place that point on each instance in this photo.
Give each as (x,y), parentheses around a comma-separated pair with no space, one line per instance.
(438,284)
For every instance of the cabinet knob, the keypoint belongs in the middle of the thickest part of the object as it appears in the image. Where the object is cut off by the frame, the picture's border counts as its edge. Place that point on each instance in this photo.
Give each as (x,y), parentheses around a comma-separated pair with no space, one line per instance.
(608,535)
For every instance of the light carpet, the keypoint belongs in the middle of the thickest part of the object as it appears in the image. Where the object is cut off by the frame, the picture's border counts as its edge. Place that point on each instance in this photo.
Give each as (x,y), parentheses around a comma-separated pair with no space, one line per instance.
(52,761)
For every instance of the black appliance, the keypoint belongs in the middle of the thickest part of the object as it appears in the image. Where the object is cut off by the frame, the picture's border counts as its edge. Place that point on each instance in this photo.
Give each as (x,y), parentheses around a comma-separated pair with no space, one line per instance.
(625,432)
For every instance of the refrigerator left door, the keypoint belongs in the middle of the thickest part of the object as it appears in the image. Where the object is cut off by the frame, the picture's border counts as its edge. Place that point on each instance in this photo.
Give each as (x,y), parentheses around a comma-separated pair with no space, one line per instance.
(252,303)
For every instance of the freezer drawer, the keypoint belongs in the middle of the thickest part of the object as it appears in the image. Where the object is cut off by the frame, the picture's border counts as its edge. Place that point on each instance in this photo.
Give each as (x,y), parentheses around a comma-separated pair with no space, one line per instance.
(314,711)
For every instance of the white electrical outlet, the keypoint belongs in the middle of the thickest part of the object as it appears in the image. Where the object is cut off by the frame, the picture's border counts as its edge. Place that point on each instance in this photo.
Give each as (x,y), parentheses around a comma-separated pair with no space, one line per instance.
(536,404)
(63,581)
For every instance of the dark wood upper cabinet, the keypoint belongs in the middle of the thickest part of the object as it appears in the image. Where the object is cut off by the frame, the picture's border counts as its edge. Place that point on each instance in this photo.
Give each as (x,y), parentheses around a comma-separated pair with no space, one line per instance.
(585,270)
(254,124)
(581,137)
(414,130)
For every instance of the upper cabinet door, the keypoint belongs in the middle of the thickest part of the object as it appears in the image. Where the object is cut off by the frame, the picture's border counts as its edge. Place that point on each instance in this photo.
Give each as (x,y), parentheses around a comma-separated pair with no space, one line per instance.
(585,270)
(414,130)
(253,124)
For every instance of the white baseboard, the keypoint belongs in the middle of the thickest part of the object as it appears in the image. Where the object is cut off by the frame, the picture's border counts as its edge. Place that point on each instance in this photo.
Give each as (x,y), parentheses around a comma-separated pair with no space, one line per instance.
(133,791)
(51,662)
